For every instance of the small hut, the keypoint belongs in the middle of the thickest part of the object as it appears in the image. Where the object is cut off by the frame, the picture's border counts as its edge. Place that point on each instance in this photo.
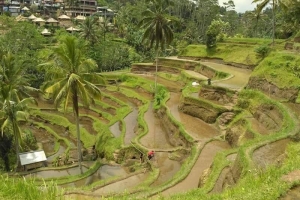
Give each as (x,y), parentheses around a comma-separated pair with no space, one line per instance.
(72,29)
(21,18)
(25,9)
(38,21)
(80,17)
(34,159)
(64,17)
(46,32)
(32,17)
(52,21)
(65,20)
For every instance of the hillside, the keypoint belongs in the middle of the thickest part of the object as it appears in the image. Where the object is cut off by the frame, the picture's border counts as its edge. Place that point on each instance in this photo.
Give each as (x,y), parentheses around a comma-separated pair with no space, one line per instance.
(232,135)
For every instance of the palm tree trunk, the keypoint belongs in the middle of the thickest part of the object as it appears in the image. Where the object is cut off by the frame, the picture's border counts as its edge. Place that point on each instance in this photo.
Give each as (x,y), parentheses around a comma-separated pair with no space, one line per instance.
(273,24)
(15,131)
(76,112)
(78,142)
(156,65)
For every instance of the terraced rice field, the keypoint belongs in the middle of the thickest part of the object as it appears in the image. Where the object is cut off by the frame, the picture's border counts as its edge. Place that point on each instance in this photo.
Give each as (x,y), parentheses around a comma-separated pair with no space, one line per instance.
(186,145)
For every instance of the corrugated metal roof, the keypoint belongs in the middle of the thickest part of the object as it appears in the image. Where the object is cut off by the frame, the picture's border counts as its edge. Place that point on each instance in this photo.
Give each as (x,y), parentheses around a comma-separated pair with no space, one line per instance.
(32,157)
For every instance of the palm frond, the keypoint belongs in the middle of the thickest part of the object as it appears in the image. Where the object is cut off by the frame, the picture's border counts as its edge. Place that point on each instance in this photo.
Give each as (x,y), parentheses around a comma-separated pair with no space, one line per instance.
(87,65)
(68,96)
(22,105)
(94,78)
(22,116)
(4,124)
(83,93)
(93,90)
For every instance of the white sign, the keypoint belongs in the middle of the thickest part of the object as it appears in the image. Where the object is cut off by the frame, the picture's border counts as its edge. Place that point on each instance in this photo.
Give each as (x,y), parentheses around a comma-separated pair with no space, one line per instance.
(32,157)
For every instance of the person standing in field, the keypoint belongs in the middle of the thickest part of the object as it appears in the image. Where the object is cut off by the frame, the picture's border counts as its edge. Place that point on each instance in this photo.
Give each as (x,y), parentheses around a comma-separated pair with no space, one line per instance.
(150,154)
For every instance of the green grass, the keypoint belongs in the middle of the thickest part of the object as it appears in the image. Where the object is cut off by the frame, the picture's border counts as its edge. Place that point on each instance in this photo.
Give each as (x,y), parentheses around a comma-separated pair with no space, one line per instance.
(281,69)
(236,53)
(26,189)
(251,40)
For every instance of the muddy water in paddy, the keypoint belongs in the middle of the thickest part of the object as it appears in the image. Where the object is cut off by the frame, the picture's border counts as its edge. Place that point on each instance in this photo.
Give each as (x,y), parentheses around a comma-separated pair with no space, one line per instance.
(130,120)
(87,124)
(258,127)
(292,194)
(203,162)
(43,137)
(122,97)
(60,151)
(56,173)
(44,104)
(131,123)
(110,110)
(123,185)
(195,127)
(115,129)
(84,121)
(147,95)
(61,131)
(295,108)
(156,136)
(111,102)
(218,187)
(104,172)
(231,157)
(270,153)
(237,82)
(167,167)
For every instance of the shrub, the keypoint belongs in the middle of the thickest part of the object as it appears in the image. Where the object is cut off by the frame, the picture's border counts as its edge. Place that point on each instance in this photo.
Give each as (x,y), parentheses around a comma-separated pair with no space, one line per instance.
(159,96)
(262,51)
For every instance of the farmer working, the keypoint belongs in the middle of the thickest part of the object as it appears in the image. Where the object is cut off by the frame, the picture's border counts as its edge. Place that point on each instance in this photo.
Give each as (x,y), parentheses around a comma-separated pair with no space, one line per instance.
(150,154)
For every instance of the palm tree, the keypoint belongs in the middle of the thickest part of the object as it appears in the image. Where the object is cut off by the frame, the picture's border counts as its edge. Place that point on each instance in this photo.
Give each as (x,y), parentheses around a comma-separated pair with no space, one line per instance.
(70,79)
(14,95)
(261,4)
(11,113)
(89,29)
(14,76)
(157,28)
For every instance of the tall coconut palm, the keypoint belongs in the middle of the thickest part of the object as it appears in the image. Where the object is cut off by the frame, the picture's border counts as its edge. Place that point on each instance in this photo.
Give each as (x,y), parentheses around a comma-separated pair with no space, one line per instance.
(89,29)
(14,95)
(261,4)
(68,70)
(10,114)
(14,76)
(157,28)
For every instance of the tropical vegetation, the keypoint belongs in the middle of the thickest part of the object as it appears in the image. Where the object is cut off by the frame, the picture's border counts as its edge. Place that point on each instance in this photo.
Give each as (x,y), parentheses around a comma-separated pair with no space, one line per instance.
(71,71)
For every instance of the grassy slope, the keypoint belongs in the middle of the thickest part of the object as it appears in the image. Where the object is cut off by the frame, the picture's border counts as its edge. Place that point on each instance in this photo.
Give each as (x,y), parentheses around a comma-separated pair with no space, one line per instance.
(240,50)
(280,68)
(229,52)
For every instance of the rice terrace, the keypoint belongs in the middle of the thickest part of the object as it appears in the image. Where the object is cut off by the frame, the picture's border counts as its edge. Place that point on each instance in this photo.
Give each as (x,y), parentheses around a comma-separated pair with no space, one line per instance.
(101,116)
